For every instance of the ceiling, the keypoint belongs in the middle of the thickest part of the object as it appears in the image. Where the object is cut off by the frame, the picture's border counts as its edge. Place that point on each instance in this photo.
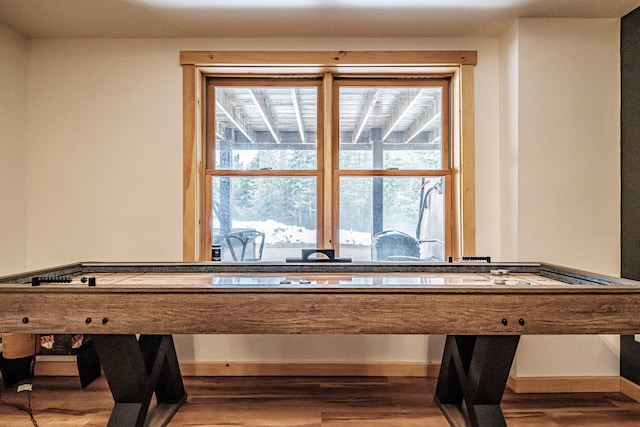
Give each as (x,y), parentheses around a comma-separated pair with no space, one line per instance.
(288,18)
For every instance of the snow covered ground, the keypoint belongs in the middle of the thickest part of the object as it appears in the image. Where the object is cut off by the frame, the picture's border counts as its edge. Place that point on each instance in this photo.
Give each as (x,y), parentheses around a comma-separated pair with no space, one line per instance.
(277,233)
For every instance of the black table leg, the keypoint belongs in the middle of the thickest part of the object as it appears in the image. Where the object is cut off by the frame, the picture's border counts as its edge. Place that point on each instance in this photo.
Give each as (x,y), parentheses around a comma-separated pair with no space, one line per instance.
(88,363)
(135,369)
(472,378)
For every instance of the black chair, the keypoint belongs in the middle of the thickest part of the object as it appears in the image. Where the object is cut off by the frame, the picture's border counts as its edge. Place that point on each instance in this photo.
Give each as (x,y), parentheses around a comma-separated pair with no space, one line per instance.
(393,245)
(243,244)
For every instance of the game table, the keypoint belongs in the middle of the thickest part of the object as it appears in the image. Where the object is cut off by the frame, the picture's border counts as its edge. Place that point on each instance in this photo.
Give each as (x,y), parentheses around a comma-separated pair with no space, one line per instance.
(131,310)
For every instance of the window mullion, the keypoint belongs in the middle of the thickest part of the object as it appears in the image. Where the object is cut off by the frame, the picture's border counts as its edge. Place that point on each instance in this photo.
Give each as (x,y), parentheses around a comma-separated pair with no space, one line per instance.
(327,237)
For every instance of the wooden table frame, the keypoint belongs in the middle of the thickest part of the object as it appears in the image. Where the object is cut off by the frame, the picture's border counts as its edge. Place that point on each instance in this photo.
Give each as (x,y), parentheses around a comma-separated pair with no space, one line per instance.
(483,323)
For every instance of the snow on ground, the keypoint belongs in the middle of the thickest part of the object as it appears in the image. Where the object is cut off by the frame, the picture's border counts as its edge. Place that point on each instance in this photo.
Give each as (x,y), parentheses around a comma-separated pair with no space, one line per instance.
(276,233)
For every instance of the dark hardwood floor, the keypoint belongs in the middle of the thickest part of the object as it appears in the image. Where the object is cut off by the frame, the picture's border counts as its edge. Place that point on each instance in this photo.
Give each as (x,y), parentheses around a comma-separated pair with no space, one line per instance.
(309,401)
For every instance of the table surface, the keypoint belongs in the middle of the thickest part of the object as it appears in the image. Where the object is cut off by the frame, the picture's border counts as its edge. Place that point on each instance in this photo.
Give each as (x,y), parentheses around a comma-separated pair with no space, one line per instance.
(212,278)
(325,276)
(274,281)
(173,298)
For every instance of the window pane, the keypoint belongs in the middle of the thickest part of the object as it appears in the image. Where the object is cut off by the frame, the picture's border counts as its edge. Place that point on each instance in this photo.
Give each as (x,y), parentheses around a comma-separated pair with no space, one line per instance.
(263,218)
(390,127)
(392,218)
(266,127)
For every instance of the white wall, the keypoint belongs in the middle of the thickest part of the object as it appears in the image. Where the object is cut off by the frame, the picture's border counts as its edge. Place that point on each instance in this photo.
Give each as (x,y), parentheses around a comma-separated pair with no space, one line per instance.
(569,143)
(105,141)
(563,129)
(105,151)
(508,158)
(13,150)
(105,161)
(106,138)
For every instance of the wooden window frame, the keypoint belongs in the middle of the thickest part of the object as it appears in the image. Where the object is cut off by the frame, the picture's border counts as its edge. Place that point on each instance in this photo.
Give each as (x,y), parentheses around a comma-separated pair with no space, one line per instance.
(197,66)
(445,171)
(211,171)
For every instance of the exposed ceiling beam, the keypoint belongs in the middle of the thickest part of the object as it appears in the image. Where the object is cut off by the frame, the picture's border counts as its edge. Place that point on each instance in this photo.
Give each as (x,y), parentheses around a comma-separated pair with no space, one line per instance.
(365,112)
(219,129)
(296,108)
(418,126)
(400,111)
(224,103)
(265,113)
(366,146)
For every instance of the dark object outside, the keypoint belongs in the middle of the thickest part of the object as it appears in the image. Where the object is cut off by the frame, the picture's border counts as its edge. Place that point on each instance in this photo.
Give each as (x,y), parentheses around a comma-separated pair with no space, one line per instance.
(393,245)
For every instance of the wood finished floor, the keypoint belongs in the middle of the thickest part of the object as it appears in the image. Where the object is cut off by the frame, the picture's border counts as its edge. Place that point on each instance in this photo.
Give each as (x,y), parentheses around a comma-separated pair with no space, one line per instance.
(295,401)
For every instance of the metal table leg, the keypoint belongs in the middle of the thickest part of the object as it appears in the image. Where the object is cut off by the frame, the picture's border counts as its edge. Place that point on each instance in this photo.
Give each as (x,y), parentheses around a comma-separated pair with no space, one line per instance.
(472,379)
(135,369)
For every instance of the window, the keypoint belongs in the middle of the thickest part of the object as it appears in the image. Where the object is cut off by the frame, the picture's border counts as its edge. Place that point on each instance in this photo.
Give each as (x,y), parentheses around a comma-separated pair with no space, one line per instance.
(394,170)
(364,159)
(263,167)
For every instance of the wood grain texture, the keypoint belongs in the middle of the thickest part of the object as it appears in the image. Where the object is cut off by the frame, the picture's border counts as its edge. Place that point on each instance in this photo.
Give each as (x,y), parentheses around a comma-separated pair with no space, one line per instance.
(455,310)
(565,384)
(467,212)
(306,401)
(630,389)
(329,58)
(190,164)
(289,369)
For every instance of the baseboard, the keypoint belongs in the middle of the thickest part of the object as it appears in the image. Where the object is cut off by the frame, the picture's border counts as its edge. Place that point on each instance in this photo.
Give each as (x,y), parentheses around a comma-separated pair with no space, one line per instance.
(49,367)
(630,389)
(583,384)
(55,368)
(324,369)
(603,384)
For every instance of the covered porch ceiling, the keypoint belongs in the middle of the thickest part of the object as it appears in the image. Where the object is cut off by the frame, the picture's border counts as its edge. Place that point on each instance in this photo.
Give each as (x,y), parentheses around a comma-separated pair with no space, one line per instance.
(268,116)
